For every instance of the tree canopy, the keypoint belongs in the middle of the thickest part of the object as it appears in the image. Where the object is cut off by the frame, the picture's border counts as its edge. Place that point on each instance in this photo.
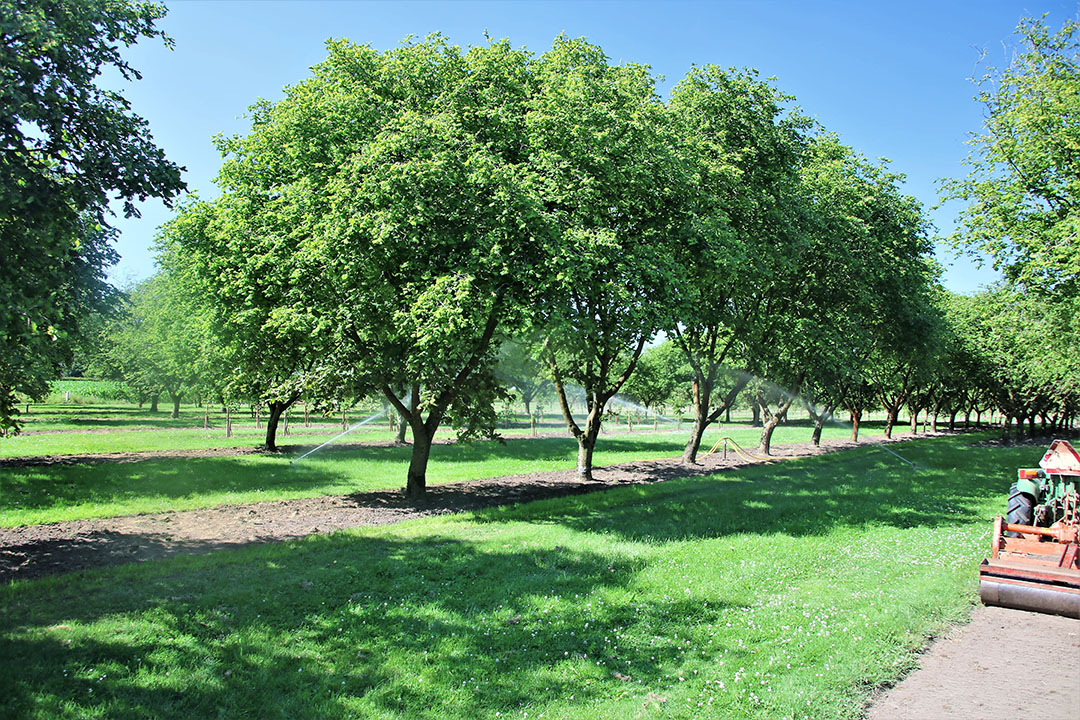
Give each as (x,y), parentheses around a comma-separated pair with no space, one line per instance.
(69,148)
(1023,185)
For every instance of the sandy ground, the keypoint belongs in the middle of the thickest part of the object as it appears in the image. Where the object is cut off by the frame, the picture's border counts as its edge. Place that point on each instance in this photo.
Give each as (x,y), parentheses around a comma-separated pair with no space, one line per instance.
(1004,665)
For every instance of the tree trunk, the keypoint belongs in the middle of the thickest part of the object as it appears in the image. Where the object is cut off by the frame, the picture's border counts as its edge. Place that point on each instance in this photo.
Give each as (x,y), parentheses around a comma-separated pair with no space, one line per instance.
(154,403)
(933,422)
(856,417)
(175,405)
(702,397)
(689,456)
(276,408)
(766,433)
(587,441)
(777,417)
(402,424)
(915,421)
(890,420)
(756,421)
(952,419)
(819,418)
(416,484)
(584,458)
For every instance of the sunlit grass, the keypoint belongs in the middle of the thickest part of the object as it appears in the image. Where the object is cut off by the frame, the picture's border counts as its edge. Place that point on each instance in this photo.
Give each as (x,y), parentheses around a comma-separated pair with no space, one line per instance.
(783,591)
(94,428)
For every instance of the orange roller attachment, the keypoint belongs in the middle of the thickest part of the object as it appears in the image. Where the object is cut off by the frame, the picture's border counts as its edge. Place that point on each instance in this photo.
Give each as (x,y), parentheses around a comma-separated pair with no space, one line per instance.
(1035,565)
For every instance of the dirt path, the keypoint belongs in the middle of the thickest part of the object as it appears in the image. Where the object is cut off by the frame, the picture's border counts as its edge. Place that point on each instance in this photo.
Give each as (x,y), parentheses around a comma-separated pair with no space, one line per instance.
(1006,664)
(35,551)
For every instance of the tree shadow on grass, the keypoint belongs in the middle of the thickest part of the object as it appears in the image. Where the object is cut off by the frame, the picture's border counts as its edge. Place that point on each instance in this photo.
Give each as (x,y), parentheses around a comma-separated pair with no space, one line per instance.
(951,482)
(72,484)
(341,626)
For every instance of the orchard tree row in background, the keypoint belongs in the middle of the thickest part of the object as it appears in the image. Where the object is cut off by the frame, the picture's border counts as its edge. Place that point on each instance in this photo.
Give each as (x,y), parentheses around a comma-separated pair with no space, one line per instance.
(441,228)
(396,217)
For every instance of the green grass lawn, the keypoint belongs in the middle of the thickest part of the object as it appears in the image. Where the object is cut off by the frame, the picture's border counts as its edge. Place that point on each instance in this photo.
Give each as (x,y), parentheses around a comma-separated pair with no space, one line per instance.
(782,591)
(68,492)
(57,428)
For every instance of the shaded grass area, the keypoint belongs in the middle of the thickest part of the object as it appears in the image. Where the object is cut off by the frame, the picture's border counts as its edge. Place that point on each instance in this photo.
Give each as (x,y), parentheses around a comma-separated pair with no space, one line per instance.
(55,493)
(785,591)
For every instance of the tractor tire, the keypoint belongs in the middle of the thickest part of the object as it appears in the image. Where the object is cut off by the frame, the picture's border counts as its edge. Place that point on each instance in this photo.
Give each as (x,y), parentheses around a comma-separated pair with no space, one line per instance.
(1021,510)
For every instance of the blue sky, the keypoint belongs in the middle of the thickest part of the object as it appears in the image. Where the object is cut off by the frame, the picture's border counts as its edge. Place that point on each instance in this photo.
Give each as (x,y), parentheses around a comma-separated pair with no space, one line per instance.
(891,78)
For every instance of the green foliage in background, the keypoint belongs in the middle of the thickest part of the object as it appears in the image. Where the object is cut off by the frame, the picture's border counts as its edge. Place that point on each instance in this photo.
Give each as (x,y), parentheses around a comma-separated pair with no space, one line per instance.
(1023,184)
(69,148)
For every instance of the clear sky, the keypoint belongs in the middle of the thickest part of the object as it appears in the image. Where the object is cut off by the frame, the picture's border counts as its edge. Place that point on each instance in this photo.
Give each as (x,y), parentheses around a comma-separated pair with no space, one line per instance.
(891,78)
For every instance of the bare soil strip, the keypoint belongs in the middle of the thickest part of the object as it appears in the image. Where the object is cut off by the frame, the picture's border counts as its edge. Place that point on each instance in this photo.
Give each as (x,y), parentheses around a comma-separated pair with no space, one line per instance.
(35,551)
(1004,664)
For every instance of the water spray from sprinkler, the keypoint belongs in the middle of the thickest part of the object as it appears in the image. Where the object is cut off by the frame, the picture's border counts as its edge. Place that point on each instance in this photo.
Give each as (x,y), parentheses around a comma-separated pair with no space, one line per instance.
(340,435)
(832,418)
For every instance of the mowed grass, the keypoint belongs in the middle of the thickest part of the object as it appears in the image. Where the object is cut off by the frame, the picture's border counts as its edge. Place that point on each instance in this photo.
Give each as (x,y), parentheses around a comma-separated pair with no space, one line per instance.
(106,427)
(32,495)
(782,591)
(164,439)
(59,429)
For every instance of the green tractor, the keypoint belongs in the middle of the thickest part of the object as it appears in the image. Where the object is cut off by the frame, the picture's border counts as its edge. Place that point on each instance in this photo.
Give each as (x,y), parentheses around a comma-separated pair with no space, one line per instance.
(1035,551)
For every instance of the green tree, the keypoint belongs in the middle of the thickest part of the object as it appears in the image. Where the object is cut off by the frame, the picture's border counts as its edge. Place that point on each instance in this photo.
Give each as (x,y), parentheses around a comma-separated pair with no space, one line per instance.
(162,341)
(612,184)
(1031,346)
(275,346)
(737,263)
(661,372)
(388,197)
(519,370)
(69,147)
(868,266)
(1023,185)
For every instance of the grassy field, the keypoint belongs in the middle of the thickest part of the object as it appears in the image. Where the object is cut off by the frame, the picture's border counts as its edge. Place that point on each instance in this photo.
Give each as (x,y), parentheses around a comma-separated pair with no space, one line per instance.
(95,426)
(783,591)
(53,493)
